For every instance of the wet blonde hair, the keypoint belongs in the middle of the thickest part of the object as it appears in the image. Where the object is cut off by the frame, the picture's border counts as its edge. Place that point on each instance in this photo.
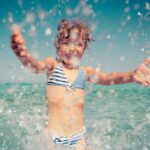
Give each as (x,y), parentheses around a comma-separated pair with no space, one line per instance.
(64,30)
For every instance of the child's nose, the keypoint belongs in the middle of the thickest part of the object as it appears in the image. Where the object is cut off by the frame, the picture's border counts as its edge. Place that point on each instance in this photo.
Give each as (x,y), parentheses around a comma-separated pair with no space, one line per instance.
(71,46)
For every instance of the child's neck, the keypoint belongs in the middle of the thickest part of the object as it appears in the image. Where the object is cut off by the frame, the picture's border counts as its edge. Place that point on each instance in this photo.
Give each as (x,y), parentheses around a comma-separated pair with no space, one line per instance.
(69,66)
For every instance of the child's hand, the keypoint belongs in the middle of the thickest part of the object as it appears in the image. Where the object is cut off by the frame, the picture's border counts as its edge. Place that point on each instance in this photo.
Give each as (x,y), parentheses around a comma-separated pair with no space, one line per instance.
(18,43)
(142,73)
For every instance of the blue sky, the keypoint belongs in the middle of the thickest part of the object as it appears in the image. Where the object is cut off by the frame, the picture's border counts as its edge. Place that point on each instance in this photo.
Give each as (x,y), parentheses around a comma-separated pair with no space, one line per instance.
(121,29)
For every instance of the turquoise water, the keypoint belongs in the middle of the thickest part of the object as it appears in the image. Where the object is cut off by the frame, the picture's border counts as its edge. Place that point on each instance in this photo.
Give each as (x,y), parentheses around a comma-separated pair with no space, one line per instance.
(116,117)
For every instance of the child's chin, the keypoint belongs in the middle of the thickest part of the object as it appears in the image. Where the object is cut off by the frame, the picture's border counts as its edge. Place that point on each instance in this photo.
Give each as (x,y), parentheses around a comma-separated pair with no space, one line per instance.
(74,61)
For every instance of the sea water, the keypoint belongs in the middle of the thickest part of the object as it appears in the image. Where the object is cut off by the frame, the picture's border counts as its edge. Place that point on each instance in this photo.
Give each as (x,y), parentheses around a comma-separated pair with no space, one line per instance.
(116,117)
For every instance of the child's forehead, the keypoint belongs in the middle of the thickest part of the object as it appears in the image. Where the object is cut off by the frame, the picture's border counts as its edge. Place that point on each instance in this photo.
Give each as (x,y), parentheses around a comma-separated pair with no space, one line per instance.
(73,40)
(75,35)
(74,30)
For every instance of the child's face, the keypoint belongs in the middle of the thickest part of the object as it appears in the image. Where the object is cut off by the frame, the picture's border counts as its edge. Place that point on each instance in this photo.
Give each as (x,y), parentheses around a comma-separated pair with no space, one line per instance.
(72,49)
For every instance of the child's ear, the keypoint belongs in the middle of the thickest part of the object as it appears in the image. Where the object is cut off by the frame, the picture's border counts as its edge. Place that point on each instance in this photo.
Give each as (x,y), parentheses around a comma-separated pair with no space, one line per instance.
(59,53)
(58,57)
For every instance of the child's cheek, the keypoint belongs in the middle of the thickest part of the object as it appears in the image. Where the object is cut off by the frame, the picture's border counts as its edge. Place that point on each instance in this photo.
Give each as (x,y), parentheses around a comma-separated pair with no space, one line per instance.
(80,54)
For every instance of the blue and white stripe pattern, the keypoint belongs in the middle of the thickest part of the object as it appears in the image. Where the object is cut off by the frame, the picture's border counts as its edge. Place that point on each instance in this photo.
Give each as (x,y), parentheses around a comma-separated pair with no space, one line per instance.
(72,140)
(58,77)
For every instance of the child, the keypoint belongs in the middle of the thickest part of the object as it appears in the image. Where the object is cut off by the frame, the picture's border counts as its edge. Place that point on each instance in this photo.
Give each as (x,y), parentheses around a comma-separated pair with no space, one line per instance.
(66,80)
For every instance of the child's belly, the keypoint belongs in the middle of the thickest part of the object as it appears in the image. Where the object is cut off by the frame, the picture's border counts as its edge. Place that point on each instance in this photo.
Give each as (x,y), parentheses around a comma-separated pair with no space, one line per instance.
(65,110)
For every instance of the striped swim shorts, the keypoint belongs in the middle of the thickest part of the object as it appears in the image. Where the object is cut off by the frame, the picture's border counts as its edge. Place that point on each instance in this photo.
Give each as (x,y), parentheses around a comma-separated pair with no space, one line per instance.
(71,140)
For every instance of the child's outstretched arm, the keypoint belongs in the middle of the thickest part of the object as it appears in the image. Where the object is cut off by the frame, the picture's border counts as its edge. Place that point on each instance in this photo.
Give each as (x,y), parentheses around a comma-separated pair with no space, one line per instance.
(140,75)
(19,48)
(100,77)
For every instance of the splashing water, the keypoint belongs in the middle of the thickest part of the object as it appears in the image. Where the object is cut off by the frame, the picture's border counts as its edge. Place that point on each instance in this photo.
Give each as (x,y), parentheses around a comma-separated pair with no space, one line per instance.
(116,117)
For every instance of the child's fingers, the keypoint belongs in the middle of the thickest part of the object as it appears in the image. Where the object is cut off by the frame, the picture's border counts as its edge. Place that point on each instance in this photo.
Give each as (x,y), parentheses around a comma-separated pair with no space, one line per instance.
(15,34)
(23,53)
(17,46)
(18,40)
(147,61)
(147,83)
(19,50)
(137,79)
(16,31)
(146,70)
(14,47)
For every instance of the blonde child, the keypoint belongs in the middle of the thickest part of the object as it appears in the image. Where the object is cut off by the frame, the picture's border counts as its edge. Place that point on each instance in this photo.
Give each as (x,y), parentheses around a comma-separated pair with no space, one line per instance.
(66,80)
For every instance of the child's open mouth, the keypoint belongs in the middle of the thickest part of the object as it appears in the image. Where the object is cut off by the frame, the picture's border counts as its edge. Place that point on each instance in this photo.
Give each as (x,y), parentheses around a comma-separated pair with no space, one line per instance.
(70,55)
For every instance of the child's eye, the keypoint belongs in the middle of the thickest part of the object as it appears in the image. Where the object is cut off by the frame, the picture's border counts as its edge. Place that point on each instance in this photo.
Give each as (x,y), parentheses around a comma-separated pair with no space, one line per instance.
(65,43)
(78,44)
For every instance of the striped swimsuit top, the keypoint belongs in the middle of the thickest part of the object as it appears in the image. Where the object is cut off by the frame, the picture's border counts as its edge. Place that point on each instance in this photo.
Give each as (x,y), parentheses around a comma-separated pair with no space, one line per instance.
(58,78)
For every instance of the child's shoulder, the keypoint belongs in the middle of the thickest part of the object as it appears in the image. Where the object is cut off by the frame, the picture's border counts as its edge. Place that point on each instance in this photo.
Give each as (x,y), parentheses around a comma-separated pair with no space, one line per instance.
(86,69)
(49,59)
(50,62)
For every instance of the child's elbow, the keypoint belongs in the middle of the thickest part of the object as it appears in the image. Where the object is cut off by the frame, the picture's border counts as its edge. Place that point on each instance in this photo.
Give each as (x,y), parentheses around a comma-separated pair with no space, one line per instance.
(34,69)
(37,71)
(104,80)
(40,67)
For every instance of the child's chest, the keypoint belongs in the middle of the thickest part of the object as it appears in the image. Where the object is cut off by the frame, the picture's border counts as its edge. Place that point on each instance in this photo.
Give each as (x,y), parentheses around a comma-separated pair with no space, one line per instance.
(61,96)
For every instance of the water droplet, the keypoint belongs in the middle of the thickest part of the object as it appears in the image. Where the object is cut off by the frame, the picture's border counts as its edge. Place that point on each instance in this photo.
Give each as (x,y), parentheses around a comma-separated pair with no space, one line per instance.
(68,11)
(87,10)
(147,116)
(136,6)
(127,9)
(107,147)
(20,3)
(108,36)
(11,90)
(139,14)
(1,109)
(73,35)
(48,31)
(32,30)
(42,14)
(1,134)
(127,1)
(142,49)
(30,17)
(128,18)
(10,17)
(147,6)
(99,94)
(122,58)
(3,20)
